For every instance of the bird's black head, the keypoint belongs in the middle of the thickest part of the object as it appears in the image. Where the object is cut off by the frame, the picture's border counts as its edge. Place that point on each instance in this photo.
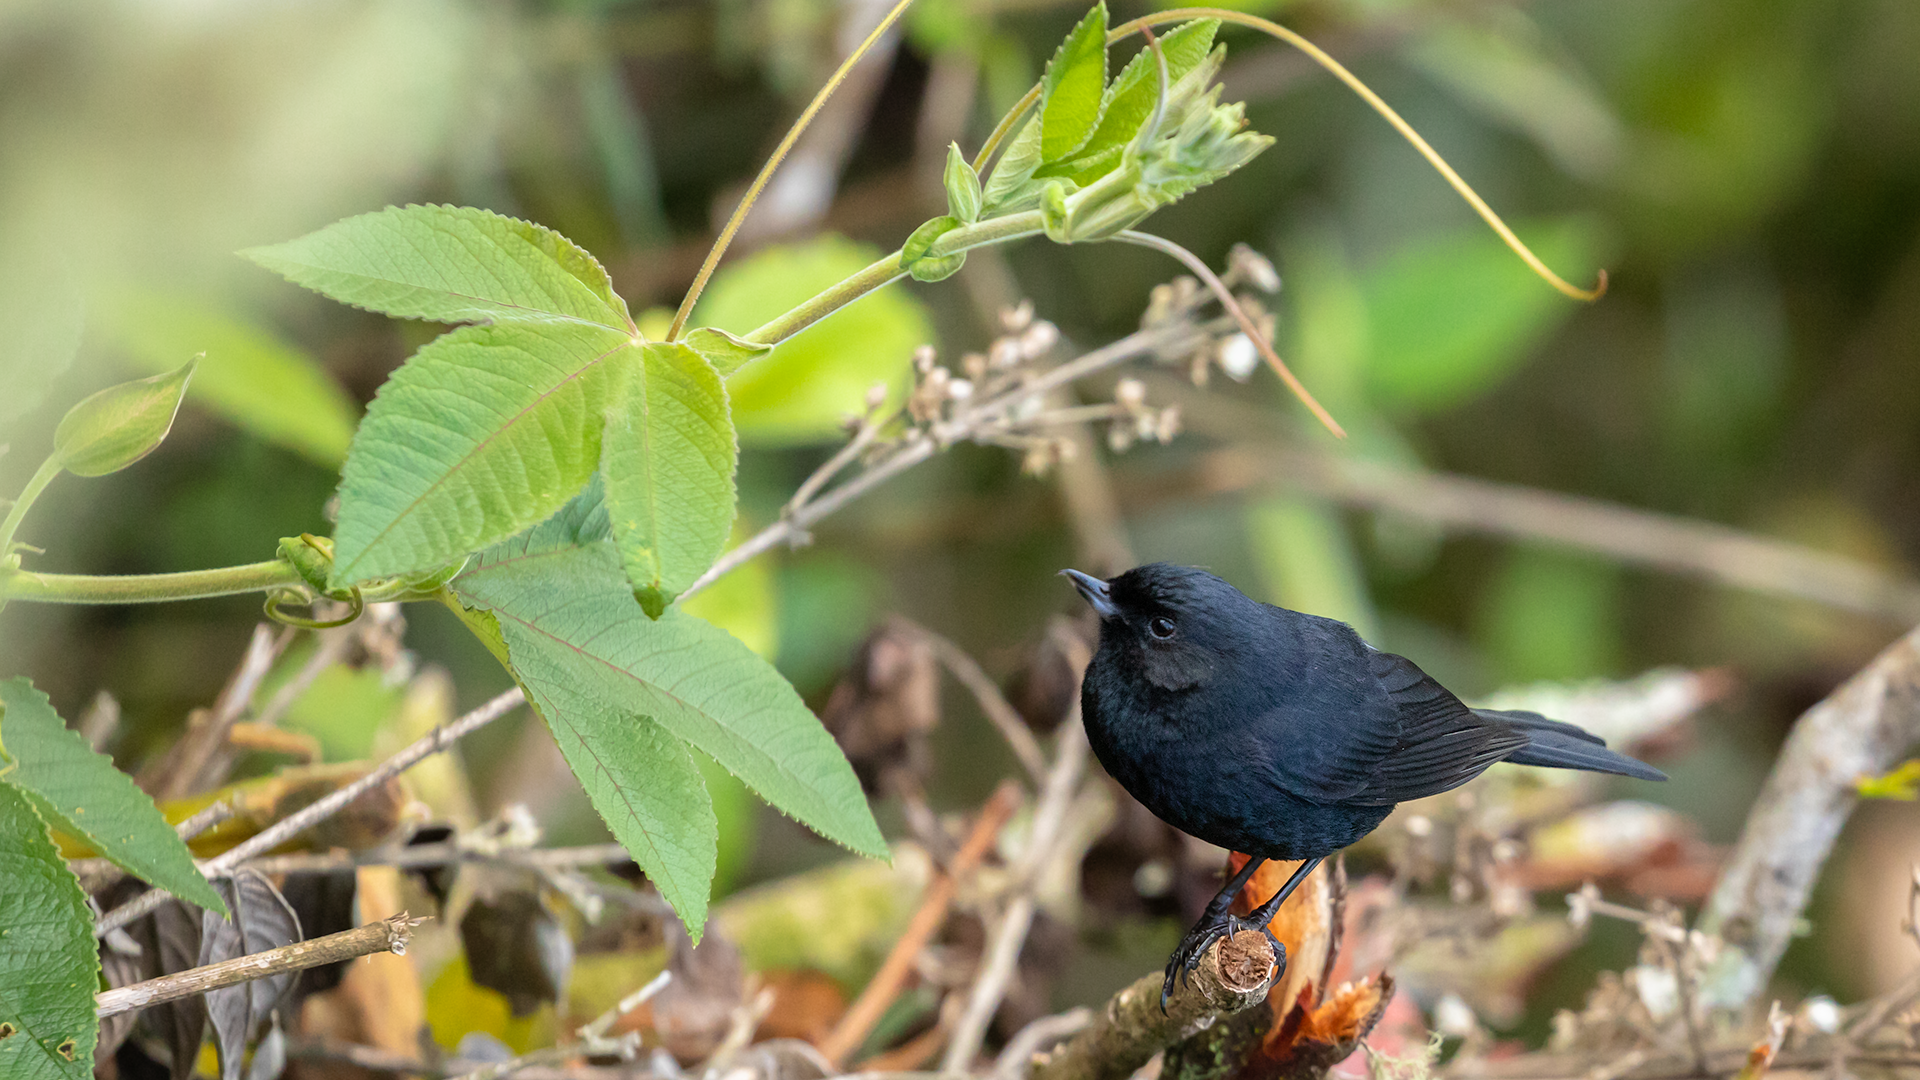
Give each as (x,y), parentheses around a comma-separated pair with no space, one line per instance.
(1178,626)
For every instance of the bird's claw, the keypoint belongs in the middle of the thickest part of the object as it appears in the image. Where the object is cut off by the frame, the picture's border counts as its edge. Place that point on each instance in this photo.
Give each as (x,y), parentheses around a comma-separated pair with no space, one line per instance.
(1186,956)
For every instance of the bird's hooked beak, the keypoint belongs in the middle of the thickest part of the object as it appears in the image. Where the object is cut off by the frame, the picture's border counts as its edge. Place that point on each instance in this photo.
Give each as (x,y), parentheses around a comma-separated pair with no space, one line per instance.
(1094,592)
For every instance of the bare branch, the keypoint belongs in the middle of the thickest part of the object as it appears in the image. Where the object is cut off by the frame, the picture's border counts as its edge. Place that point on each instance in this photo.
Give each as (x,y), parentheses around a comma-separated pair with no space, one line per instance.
(293,824)
(388,935)
(1009,934)
(1680,545)
(1861,729)
(1004,717)
(967,423)
(1130,1029)
(591,1038)
(931,915)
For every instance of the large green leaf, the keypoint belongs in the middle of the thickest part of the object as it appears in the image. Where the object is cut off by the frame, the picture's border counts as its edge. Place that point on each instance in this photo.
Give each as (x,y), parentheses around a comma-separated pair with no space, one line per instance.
(568,614)
(810,383)
(667,459)
(1071,92)
(81,792)
(1450,316)
(252,377)
(641,779)
(49,967)
(486,431)
(449,264)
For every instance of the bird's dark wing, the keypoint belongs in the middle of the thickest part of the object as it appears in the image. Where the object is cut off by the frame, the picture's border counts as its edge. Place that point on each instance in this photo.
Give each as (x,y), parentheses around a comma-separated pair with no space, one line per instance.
(1440,743)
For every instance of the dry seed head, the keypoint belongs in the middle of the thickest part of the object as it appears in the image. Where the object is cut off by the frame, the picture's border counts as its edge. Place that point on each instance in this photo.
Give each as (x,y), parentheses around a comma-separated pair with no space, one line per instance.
(923,359)
(975,365)
(1237,356)
(1160,307)
(1119,436)
(1248,265)
(959,389)
(876,396)
(1003,354)
(1130,394)
(1168,425)
(1039,339)
(1015,319)
(1199,366)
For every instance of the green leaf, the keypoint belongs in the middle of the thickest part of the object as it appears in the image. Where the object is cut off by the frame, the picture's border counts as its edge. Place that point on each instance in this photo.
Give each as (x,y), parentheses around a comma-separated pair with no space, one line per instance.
(1012,187)
(449,264)
(963,186)
(121,424)
(1130,100)
(1450,316)
(81,792)
(723,350)
(49,966)
(642,780)
(487,430)
(806,388)
(913,254)
(248,375)
(667,459)
(1071,92)
(567,614)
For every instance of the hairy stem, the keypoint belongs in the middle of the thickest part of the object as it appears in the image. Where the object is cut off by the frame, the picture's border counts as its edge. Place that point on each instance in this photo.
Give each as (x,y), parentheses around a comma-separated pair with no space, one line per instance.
(887,269)
(773,162)
(147,588)
(49,469)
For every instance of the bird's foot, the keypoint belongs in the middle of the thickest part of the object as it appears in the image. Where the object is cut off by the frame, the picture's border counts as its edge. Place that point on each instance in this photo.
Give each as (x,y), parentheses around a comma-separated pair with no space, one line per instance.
(1209,929)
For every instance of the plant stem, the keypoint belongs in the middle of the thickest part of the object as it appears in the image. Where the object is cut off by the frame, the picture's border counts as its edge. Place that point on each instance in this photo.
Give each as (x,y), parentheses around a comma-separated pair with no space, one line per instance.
(49,469)
(147,588)
(887,269)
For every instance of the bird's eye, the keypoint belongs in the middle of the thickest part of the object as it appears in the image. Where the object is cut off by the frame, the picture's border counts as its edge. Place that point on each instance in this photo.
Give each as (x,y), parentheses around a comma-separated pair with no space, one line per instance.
(1161,628)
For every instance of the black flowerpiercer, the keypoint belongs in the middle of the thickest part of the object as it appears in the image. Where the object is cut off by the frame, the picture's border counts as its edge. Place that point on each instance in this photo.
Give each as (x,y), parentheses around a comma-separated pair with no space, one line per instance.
(1278,734)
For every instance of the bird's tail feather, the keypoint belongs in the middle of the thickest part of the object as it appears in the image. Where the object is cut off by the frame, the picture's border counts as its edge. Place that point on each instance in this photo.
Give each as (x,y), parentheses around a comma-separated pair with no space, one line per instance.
(1557,745)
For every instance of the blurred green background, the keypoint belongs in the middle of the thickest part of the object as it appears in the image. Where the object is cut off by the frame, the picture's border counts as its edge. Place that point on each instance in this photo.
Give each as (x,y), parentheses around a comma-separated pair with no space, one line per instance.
(1748,171)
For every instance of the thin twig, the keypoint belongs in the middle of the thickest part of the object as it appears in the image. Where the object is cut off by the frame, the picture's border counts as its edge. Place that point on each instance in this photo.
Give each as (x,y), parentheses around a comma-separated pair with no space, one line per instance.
(388,935)
(793,527)
(440,854)
(591,1038)
(863,437)
(292,825)
(1861,729)
(1225,296)
(885,985)
(205,818)
(1037,1036)
(1131,1028)
(206,737)
(1009,935)
(374,1059)
(331,648)
(1004,717)
(1468,504)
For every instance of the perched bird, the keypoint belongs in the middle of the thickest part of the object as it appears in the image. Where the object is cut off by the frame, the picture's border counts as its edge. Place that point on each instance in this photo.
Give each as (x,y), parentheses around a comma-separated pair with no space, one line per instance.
(1279,734)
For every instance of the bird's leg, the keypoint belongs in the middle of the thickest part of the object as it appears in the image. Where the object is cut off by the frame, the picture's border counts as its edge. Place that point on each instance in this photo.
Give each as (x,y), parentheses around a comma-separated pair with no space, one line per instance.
(1265,914)
(1215,923)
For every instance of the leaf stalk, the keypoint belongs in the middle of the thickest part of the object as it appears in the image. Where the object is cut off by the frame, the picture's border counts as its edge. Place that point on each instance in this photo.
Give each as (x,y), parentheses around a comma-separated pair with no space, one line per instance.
(888,268)
(49,469)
